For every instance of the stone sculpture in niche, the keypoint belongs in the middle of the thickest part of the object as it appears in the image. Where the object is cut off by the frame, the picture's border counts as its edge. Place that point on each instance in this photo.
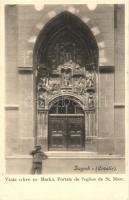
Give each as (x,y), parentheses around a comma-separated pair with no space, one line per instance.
(91,101)
(41,99)
(66,77)
(53,85)
(43,82)
(66,73)
(90,79)
(41,90)
(79,85)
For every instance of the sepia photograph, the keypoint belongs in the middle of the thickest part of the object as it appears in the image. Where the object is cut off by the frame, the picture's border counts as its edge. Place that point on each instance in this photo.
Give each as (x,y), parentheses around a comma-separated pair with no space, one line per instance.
(64,89)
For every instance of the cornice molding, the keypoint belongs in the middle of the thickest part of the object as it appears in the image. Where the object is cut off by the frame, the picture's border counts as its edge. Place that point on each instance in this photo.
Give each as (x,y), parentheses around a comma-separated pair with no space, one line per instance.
(106,69)
(119,105)
(12,107)
(25,70)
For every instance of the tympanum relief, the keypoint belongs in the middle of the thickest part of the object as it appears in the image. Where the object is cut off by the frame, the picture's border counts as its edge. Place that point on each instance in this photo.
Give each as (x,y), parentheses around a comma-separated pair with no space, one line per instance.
(68,78)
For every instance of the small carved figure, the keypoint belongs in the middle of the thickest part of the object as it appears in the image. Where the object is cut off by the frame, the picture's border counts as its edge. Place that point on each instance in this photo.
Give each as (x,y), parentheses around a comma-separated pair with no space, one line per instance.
(41,100)
(77,66)
(91,101)
(80,85)
(43,82)
(53,85)
(90,79)
(67,76)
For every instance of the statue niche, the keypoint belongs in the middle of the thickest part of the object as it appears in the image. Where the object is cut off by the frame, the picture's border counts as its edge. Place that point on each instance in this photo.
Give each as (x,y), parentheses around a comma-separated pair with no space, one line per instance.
(66,74)
(90,79)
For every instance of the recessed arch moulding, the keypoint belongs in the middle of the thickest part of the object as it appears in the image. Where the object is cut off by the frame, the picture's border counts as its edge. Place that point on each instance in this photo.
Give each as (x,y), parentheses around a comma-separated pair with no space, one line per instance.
(65,61)
(70,27)
(41,23)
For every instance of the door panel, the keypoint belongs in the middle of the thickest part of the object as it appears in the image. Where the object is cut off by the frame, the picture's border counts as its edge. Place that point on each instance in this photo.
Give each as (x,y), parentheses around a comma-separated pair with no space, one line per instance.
(57,133)
(75,132)
(66,133)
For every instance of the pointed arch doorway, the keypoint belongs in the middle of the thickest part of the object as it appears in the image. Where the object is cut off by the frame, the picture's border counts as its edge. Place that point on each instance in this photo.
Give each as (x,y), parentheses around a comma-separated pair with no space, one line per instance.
(65,60)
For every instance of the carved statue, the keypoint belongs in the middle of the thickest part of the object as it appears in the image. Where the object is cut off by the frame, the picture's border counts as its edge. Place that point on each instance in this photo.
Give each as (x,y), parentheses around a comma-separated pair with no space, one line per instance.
(66,70)
(41,100)
(91,101)
(79,85)
(43,82)
(67,76)
(53,85)
(77,66)
(89,79)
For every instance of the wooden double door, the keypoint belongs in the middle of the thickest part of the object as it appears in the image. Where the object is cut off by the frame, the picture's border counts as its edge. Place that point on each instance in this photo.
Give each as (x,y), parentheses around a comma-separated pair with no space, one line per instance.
(66,132)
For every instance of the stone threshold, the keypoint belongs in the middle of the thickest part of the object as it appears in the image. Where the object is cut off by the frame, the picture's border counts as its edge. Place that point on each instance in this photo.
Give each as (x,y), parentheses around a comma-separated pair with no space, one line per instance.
(69,155)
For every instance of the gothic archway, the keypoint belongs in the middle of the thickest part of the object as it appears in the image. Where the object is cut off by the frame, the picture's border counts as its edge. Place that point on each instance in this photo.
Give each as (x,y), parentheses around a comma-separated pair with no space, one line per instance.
(66,63)
(72,28)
